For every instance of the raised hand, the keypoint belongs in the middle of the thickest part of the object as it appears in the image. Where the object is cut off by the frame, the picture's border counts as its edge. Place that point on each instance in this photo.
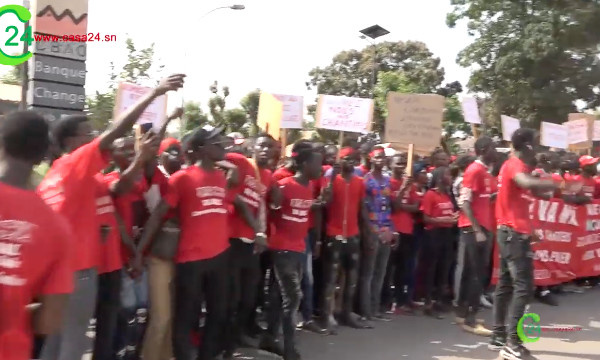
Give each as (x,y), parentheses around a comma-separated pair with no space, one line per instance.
(170,83)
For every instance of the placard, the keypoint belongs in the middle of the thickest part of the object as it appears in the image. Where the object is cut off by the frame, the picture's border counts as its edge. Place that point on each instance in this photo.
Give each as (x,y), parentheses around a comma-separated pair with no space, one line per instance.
(470,110)
(509,126)
(414,119)
(596,133)
(128,94)
(344,113)
(554,135)
(590,127)
(270,111)
(578,131)
(292,114)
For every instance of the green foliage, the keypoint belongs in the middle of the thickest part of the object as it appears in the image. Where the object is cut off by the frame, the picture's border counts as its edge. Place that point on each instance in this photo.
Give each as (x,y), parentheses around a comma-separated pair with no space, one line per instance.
(532,59)
(236,120)
(193,116)
(250,104)
(13,77)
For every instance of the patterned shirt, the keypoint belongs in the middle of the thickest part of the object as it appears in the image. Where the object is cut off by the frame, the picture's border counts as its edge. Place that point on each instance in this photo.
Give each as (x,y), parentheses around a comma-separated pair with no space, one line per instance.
(378,200)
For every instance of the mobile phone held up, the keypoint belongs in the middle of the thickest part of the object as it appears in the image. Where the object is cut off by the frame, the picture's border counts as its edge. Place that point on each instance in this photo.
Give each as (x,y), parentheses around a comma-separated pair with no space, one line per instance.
(145,127)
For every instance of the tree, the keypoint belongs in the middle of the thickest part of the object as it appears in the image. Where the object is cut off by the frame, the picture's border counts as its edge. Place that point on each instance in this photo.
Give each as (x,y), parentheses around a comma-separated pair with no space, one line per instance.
(216,104)
(13,77)
(193,116)
(250,104)
(236,120)
(531,59)
(351,71)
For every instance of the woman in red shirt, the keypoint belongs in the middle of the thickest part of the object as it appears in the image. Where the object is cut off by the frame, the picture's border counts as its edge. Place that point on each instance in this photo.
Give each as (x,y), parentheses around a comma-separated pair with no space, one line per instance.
(440,218)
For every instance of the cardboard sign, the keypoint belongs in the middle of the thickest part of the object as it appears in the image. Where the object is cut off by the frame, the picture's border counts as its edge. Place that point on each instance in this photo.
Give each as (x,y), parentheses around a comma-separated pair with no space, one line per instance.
(596,132)
(292,114)
(590,128)
(128,94)
(509,126)
(414,119)
(344,113)
(270,111)
(554,135)
(470,110)
(578,131)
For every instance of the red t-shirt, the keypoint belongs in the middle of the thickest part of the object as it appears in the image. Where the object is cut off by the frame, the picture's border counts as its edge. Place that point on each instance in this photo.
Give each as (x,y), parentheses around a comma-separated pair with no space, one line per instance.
(35,259)
(110,255)
(590,187)
(282,173)
(512,204)
(251,190)
(291,221)
(477,188)
(435,205)
(404,222)
(69,189)
(202,203)
(343,211)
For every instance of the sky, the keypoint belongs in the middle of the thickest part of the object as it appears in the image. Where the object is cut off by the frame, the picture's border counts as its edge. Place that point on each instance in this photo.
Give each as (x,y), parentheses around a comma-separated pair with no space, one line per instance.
(271,44)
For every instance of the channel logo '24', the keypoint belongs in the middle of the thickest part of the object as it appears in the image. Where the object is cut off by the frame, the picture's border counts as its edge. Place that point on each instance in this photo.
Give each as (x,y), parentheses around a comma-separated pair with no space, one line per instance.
(12,31)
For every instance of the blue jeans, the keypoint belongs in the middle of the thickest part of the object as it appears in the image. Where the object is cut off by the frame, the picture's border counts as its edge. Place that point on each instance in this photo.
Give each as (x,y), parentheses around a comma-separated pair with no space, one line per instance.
(307,306)
(132,317)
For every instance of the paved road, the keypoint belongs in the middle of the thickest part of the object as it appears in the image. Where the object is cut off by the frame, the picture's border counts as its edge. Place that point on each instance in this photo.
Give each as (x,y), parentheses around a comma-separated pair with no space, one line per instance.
(421,338)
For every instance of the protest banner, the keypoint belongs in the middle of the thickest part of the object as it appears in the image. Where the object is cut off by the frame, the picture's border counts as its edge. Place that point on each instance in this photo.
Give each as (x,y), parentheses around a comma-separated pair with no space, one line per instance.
(569,245)
(509,126)
(292,113)
(587,144)
(270,111)
(596,131)
(344,113)
(414,119)
(554,135)
(470,110)
(578,131)
(128,94)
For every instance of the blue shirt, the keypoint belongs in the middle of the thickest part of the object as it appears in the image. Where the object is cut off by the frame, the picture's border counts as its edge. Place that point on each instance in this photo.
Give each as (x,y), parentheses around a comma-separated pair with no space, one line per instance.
(379,200)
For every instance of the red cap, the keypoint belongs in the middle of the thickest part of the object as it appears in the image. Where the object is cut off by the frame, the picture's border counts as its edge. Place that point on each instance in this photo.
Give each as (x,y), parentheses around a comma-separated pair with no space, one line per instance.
(167,143)
(346,151)
(376,152)
(587,160)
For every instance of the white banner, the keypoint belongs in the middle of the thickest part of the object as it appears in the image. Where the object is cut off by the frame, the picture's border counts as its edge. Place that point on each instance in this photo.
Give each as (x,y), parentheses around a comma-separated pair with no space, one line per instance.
(509,126)
(555,135)
(578,131)
(128,94)
(344,113)
(596,135)
(470,110)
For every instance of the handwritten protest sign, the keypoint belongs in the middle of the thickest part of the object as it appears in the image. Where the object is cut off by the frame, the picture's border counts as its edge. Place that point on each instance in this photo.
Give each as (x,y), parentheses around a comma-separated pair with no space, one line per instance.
(470,110)
(509,126)
(587,143)
(344,113)
(578,131)
(596,134)
(293,112)
(128,94)
(414,119)
(270,111)
(554,135)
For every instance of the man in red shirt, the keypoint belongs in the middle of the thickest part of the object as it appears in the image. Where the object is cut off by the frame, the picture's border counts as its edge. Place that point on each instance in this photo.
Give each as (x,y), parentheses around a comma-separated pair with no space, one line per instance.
(35,250)
(199,194)
(69,188)
(343,198)
(475,224)
(287,246)
(515,283)
(590,186)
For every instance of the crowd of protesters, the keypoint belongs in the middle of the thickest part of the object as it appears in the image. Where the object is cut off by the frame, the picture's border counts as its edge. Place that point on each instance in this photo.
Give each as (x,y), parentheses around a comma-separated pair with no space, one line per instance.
(195,248)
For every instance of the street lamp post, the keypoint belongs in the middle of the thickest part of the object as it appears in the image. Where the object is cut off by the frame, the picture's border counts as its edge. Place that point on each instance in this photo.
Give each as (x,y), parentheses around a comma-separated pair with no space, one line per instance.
(373,32)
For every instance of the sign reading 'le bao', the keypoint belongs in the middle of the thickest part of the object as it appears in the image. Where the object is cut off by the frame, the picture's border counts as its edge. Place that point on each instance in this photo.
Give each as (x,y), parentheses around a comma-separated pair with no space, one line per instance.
(42,93)
(65,50)
(57,70)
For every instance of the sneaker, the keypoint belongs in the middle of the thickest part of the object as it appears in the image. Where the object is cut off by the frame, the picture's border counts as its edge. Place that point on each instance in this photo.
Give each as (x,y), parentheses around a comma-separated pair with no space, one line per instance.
(545,297)
(313,327)
(429,311)
(485,303)
(382,317)
(270,345)
(366,323)
(404,310)
(477,329)
(497,342)
(352,322)
(515,352)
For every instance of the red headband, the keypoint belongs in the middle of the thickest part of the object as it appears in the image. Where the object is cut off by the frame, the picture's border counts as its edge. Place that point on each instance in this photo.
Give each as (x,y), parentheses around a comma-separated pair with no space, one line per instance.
(376,152)
(167,143)
(346,151)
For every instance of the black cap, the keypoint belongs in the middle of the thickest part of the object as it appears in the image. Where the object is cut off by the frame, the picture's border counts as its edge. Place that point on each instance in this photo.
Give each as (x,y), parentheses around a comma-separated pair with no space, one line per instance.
(201,136)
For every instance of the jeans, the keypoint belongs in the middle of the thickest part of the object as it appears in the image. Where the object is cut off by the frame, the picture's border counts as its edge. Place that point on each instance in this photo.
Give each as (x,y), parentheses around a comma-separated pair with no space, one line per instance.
(471,269)
(345,254)
(404,272)
(372,273)
(157,341)
(244,279)
(72,341)
(107,313)
(133,315)
(285,296)
(308,282)
(191,279)
(437,248)
(515,282)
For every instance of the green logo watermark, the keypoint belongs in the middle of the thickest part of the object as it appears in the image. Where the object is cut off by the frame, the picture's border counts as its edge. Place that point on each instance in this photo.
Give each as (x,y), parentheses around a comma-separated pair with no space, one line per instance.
(23,15)
(530,330)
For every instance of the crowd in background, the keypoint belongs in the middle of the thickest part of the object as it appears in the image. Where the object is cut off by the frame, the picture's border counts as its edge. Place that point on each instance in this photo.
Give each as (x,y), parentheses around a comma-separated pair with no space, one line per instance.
(208,244)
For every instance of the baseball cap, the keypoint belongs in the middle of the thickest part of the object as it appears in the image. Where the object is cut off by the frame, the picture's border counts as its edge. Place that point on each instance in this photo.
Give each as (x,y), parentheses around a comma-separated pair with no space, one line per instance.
(587,160)
(202,136)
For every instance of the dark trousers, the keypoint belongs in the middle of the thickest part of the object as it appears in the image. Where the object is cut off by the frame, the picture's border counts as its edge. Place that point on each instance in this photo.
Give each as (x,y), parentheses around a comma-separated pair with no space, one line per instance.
(437,248)
(308,281)
(471,271)
(344,253)
(244,267)
(209,279)
(107,313)
(285,296)
(515,281)
(404,272)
